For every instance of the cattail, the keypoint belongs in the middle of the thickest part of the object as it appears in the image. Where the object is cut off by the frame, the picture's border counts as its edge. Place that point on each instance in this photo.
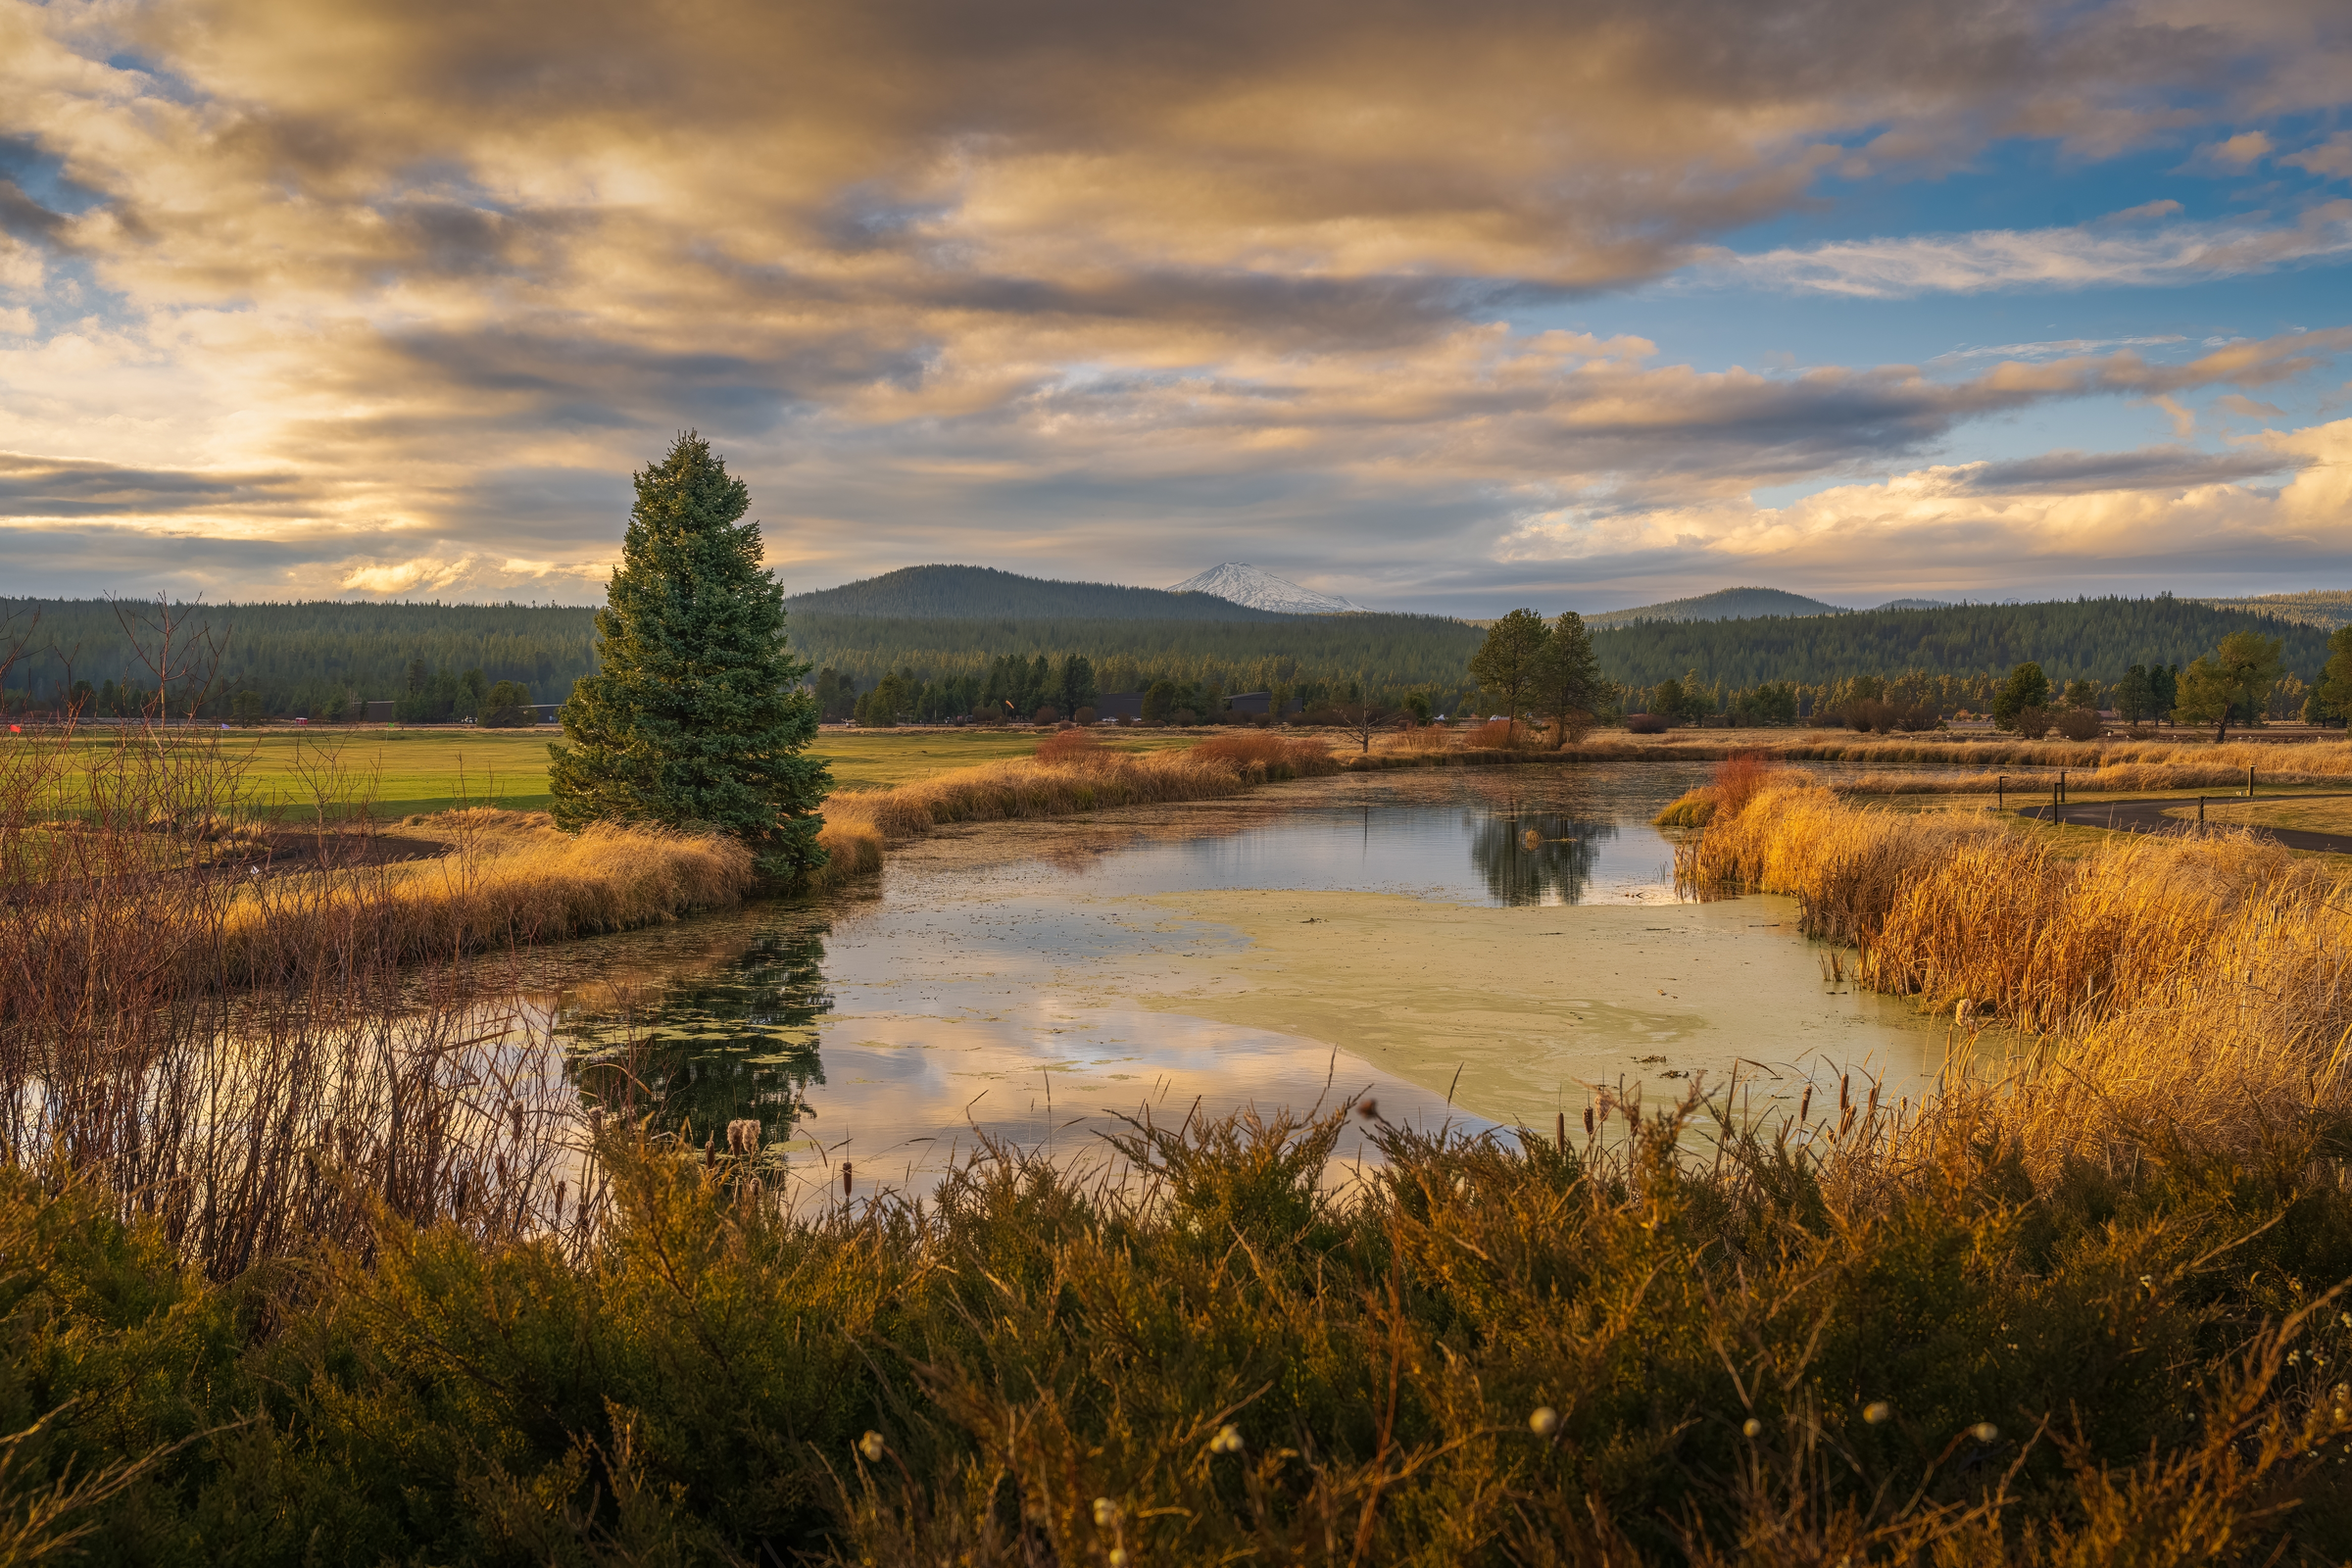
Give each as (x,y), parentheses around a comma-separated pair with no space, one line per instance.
(560,1189)
(1804,1105)
(845,1178)
(1560,1130)
(515,1115)
(710,1150)
(1587,1121)
(1845,1084)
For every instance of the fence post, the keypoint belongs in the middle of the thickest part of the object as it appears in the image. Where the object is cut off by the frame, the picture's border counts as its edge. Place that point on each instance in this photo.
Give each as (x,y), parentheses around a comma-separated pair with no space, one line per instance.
(2200,810)
(2249,781)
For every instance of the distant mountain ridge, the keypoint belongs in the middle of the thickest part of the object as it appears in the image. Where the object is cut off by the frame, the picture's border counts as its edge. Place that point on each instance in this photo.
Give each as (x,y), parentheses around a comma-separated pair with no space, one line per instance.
(1725,604)
(1240,584)
(983,593)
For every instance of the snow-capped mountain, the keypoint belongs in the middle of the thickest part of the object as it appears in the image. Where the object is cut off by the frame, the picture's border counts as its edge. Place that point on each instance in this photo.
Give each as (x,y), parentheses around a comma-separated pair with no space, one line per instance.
(1244,585)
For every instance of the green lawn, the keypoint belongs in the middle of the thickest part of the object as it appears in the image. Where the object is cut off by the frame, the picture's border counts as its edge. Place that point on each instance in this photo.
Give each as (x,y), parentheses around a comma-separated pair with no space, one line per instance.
(402,771)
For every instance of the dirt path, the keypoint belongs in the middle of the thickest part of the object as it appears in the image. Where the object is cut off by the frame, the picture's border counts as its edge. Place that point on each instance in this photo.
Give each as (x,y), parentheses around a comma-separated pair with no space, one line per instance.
(2149,816)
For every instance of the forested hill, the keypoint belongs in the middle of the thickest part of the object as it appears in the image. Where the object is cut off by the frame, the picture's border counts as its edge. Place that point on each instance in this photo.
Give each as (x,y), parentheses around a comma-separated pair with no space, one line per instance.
(1727,604)
(297,655)
(982,593)
(1382,651)
(2096,638)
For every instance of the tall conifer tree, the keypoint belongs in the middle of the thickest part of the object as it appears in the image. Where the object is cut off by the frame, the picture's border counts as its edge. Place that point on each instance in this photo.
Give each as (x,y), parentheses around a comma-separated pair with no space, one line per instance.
(694,715)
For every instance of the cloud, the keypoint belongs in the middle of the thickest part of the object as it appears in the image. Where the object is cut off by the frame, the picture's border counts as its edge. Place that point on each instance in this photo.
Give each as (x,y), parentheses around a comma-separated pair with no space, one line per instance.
(2239,152)
(2056,347)
(1982,524)
(2331,159)
(375,295)
(2143,211)
(2045,257)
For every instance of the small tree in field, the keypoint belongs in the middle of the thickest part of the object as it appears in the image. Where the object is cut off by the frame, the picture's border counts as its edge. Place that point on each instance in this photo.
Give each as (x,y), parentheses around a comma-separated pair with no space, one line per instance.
(2235,676)
(507,705)
(694,715)
(1504,666)
(1567,680)
(2027,687)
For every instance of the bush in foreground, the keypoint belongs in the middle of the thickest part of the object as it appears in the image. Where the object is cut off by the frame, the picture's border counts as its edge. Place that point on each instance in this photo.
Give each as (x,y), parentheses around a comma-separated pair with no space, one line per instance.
(1885,1343)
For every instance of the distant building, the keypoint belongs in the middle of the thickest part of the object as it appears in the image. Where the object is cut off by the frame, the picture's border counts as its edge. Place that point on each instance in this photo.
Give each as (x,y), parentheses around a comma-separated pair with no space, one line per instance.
(549,713)
(1119,704)
(379,714)
(1251,701)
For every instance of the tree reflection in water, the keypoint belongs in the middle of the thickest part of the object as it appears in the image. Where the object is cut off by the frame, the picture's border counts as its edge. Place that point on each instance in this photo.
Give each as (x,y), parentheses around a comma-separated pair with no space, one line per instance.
(732,1041)
(1537,856)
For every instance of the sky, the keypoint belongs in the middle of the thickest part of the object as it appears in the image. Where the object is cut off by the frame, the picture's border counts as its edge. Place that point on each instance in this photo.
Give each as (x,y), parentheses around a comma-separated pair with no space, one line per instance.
(1439,307)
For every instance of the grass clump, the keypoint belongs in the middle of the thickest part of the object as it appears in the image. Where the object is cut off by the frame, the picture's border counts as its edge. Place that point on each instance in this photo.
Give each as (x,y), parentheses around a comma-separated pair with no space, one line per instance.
(1072,773)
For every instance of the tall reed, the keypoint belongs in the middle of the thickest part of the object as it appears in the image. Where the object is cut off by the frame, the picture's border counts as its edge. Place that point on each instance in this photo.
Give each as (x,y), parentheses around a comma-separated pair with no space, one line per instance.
(1073,775)
(378,1070)
(2195,986)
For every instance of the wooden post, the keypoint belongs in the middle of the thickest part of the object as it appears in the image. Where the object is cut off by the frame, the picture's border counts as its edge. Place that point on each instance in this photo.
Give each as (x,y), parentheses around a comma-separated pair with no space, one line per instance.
(2000,793)
(2249,781)
(2200,810)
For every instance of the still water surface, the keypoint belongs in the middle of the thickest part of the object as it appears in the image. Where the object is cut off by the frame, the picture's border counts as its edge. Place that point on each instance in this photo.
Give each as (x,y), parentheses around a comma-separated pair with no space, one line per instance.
(1492,950)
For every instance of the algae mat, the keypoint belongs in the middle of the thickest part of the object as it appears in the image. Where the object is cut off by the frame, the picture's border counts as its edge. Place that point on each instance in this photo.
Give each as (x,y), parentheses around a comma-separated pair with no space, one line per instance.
(1533,1008)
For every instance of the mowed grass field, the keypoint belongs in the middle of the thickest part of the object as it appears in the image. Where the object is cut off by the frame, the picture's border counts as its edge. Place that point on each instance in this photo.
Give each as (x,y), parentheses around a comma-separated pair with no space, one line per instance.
(401,772)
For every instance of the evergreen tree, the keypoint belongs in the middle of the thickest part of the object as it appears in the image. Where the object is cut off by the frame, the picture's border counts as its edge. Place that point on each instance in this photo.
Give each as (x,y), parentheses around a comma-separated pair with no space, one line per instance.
(2335,682)
(695,715)
(2134,695)
(2027,687)
(1504,664)
(1568,680)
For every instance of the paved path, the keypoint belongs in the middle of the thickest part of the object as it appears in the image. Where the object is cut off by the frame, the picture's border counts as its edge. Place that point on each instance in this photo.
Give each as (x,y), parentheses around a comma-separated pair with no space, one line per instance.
(2148,816)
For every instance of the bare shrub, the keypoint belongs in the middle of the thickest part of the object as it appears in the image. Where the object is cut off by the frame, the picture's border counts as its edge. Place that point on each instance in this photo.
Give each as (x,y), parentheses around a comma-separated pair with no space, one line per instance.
(2077,724)
(1494,735)
(1647,723)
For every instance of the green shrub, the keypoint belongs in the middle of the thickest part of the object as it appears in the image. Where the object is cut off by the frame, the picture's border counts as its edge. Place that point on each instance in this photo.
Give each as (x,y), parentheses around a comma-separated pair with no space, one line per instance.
(2155,1349)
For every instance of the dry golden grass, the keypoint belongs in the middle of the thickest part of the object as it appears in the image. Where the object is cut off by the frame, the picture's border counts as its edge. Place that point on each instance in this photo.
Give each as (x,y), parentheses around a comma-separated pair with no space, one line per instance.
(1070,774)
(509,878)
(2196,988)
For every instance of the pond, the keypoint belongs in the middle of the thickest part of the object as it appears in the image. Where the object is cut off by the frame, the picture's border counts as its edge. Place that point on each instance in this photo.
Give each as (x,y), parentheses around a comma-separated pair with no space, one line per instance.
(1491,948)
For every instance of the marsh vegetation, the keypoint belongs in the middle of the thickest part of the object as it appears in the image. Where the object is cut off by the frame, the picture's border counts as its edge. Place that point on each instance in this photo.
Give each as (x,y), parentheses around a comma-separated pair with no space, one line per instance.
(357,1266)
